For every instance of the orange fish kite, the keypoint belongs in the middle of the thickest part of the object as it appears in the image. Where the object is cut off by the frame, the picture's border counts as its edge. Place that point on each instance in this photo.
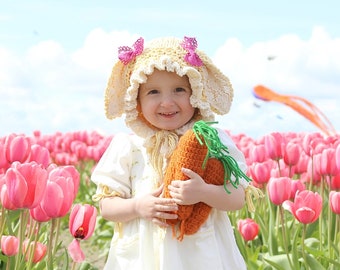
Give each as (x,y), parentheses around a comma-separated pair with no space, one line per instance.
(301,105)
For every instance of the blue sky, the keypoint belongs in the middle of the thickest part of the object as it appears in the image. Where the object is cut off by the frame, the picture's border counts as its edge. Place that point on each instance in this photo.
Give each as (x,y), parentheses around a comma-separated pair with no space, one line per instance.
(56,56)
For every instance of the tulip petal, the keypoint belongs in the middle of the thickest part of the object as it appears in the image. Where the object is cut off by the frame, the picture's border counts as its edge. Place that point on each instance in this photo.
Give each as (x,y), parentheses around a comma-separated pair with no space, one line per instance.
(305,215)
(9,245)
(52,200)
(16,187)
(78,220)
(75,251)
(288,205)
(91,216)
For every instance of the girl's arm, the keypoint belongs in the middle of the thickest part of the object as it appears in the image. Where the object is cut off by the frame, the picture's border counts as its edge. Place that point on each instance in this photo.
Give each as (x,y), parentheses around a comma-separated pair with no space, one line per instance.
(149,206)
(196,190)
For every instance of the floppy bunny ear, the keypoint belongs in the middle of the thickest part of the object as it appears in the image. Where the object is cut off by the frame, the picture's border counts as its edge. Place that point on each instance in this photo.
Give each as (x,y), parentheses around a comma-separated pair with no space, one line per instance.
(116,90)
(217,89)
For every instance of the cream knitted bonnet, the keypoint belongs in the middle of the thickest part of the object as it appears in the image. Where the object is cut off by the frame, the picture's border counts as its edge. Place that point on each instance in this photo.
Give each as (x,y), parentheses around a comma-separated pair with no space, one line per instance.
(212,92)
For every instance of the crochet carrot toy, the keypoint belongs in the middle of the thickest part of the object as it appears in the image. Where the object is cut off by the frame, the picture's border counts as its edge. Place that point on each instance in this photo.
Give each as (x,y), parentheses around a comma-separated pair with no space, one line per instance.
(201,151)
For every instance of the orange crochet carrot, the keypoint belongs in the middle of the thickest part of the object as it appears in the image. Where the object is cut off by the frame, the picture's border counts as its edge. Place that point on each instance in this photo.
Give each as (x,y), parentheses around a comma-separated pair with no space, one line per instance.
(201,151)
(186,155)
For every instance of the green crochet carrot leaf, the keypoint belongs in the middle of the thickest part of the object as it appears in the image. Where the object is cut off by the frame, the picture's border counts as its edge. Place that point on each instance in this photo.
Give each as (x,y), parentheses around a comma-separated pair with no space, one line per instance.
(216,149)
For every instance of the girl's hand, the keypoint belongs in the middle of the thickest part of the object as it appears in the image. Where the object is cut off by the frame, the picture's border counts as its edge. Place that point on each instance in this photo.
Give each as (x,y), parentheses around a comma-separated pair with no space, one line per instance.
(157,209)
(190,191)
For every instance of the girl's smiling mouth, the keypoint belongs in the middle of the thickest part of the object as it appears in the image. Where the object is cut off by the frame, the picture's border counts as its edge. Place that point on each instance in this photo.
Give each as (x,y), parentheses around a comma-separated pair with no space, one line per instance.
(169,114)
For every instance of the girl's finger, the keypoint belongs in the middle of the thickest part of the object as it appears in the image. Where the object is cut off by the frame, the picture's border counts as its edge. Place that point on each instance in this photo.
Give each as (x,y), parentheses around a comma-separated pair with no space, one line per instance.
(189,173)
(158,191)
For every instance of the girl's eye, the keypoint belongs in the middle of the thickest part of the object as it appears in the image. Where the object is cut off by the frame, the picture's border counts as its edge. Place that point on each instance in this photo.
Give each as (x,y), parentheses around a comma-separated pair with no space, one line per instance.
(180,89)
(152,92)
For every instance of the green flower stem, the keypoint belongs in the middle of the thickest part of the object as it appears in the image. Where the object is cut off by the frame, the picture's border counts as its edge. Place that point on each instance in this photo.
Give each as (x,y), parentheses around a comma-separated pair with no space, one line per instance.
(272,240)
(322,192)
(8,265)
(303,245)
(330,250)
(56,239)
(50,246)
(312,174)
(246,253)
(337,234)
(35,228)
(2,219)
(31,250)
(74,265)
(279,167)
(21,234)
(284,236)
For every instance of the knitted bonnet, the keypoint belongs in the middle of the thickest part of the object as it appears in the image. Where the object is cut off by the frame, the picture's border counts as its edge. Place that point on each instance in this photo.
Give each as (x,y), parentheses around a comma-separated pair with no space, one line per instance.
(211,90)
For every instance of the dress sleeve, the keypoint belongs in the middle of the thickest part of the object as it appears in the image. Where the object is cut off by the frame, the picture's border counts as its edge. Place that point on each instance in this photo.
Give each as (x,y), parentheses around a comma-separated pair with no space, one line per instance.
(112,173)
(235,153)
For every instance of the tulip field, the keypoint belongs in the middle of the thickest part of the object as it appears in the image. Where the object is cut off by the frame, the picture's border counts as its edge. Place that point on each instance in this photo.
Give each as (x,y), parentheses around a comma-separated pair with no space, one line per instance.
(49,221)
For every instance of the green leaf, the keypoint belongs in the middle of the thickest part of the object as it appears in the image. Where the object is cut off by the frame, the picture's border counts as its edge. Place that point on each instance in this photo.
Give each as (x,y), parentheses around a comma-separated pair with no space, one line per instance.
(295,254)
(313,263)
(280,262)
(87,266)
(272,238)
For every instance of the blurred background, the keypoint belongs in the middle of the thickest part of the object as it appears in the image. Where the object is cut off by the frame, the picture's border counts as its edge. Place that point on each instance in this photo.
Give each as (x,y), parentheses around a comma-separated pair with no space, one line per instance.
(56,57)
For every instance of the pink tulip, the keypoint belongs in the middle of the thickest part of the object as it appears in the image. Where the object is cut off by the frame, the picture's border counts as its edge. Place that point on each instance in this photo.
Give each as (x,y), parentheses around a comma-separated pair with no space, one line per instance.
(18,148)
(312,173)
(65,158)
(335,182)
(40,154)
(309,142)
(79,149)
(282,170)
(38,214)
(26,184)
(75,251)
(61,189)
(94,152)
(4,164)
(260,172)
(257,153)
(296,185)
(337,156)
(248,228)
(66,171)
(39,251)
(327,163)
(5,201)
(274,143)
(82,221)
(291,154)
(9,245)
(306,207)
(279,189)
(320,147)
(334,201)
(58,197)
(302,165)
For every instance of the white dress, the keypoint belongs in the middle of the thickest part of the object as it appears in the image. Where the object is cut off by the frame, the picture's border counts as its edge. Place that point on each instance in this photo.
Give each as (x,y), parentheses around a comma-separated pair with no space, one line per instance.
(141,245)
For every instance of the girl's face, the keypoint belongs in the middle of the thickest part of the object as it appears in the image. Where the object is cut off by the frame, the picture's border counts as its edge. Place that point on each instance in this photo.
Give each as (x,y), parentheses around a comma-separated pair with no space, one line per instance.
(165,100)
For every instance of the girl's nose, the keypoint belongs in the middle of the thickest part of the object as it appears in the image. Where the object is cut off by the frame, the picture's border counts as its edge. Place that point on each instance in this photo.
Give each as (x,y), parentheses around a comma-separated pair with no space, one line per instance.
(167,100)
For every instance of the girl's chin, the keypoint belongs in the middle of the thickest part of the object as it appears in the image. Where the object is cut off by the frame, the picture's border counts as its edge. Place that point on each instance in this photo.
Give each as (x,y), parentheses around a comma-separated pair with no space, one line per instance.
(167,126)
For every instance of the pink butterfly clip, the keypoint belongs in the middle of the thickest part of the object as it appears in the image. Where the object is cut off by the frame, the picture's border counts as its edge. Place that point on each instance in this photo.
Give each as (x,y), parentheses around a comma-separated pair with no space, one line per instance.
(126,54)
(190,45)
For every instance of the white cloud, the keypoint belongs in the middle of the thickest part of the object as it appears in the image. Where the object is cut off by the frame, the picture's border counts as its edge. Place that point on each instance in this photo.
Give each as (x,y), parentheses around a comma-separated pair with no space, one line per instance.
(54,90)
(289,66)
